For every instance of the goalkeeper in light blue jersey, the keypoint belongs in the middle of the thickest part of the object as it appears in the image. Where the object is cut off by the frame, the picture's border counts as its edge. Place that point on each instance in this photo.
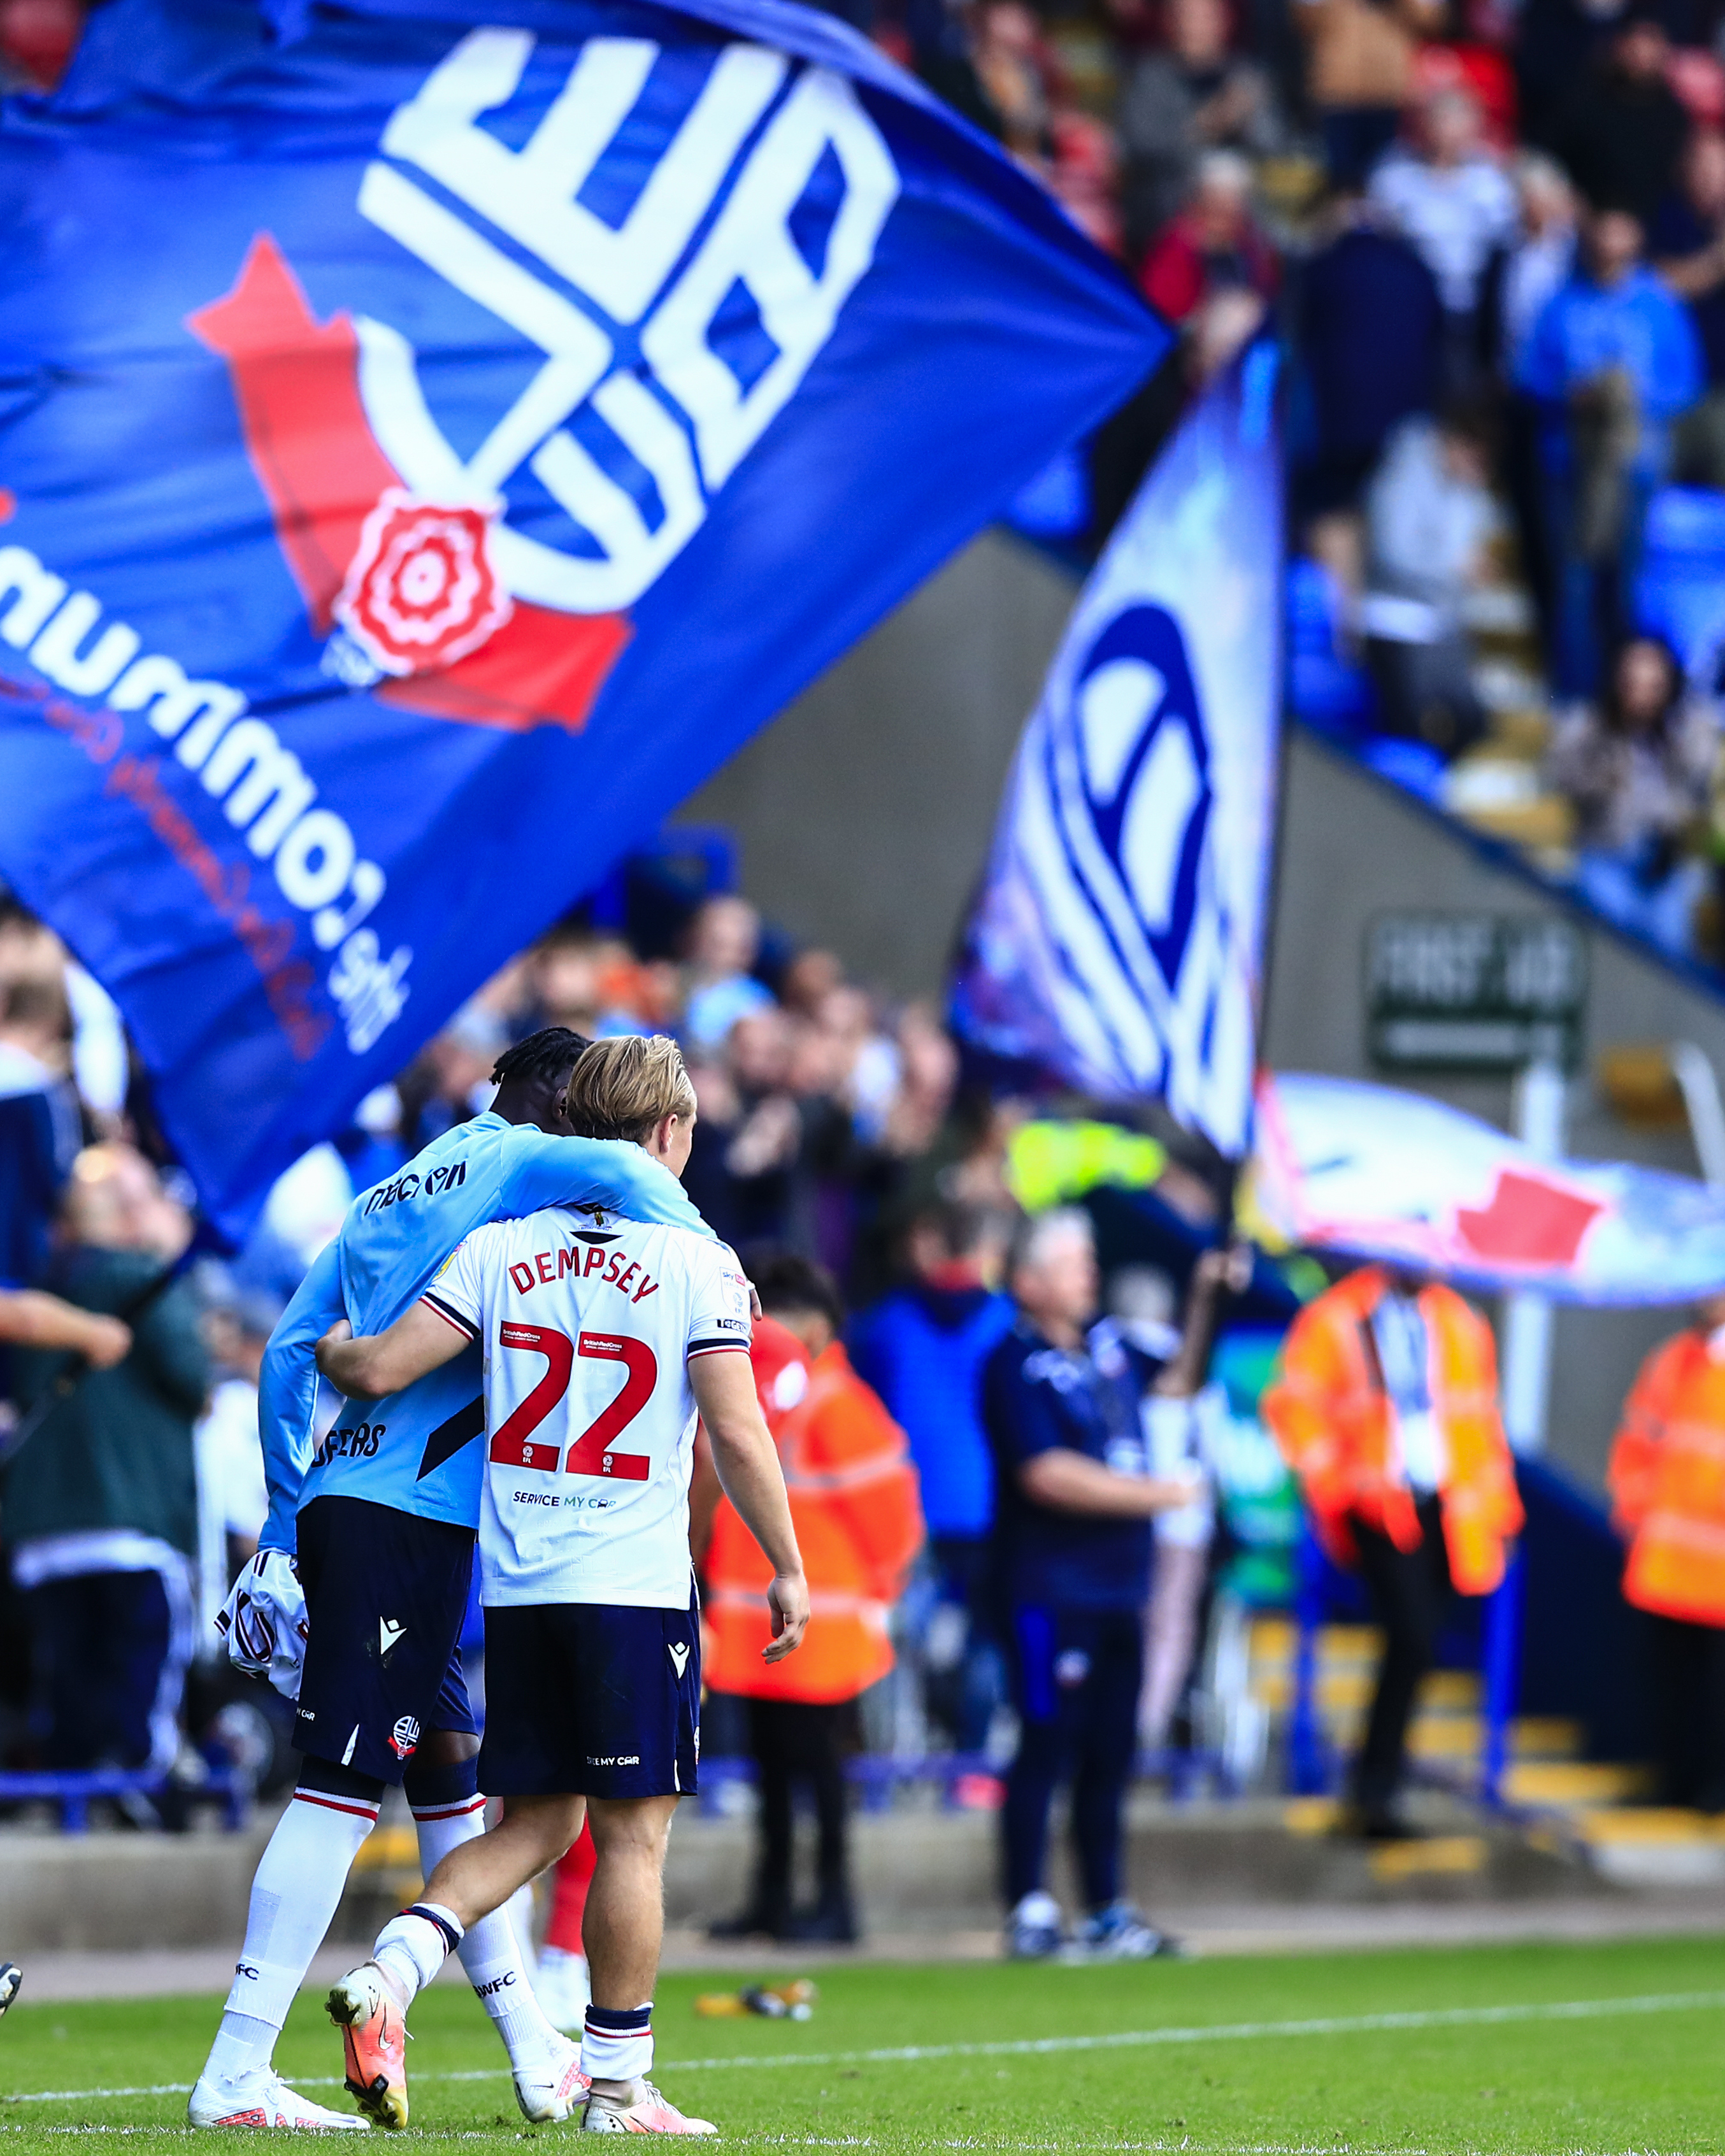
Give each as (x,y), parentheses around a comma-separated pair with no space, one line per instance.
(415,1452)
(355,1602)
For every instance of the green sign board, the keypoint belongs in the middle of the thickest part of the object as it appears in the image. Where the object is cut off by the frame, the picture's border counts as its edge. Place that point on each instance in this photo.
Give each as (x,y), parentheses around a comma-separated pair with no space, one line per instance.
(1474,992)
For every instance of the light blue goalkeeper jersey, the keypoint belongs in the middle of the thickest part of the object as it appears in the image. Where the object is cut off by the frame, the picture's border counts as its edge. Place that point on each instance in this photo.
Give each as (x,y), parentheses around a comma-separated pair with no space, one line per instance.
(416,1451)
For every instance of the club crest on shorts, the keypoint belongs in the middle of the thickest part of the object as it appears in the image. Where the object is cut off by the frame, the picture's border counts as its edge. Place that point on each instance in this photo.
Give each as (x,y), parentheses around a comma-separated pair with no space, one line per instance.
(404,1737)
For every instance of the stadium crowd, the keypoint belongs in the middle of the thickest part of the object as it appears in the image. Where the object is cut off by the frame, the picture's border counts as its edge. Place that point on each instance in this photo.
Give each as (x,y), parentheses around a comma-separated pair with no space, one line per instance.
(1489,238)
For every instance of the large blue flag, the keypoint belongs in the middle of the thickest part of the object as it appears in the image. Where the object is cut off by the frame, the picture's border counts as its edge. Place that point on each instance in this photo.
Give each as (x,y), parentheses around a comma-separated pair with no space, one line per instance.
(430,446)
(1116,942)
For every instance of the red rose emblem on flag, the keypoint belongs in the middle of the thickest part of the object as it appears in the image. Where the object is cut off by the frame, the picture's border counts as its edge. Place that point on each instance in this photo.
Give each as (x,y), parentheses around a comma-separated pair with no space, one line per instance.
(421,590)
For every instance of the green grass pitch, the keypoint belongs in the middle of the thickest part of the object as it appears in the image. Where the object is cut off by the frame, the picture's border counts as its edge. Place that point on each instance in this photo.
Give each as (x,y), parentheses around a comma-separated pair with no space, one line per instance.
(1612,2048)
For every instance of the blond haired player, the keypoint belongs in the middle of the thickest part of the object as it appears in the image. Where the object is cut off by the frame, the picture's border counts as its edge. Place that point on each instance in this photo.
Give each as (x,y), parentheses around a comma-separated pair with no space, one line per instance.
(602,1340)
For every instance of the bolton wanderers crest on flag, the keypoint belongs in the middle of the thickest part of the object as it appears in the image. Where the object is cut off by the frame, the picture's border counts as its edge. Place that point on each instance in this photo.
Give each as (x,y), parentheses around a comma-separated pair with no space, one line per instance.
(1116,941)
(431,446)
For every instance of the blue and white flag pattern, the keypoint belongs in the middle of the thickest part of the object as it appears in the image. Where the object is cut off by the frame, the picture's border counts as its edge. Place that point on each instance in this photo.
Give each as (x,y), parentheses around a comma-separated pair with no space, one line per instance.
(431,443)
(1116,942)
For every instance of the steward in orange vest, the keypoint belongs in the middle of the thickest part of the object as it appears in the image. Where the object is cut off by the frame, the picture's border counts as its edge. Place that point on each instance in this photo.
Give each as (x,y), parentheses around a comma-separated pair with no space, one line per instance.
(1385,1405)
(1667,1484)
(853,1499)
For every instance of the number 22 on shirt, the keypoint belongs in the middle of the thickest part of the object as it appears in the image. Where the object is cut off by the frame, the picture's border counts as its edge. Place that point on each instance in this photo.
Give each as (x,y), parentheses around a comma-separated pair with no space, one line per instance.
(593,1452)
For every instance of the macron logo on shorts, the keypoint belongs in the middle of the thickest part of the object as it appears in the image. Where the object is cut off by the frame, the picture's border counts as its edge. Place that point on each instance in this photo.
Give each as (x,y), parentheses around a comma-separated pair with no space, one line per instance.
(679,1657)
(388,1632)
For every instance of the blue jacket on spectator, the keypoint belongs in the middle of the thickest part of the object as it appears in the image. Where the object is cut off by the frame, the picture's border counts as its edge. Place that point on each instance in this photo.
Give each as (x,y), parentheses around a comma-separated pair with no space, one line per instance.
(1636,325)
(922,1350)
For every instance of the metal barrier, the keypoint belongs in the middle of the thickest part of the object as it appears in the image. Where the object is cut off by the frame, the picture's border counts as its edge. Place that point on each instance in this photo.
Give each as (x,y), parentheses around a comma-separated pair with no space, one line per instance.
(76,1792)
(878,1776)
(1502,1672)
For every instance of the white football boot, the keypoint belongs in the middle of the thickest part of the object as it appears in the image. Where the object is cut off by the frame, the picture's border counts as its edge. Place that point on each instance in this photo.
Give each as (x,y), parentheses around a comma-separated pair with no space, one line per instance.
(643,2111)
(551,2089)
(263,2099)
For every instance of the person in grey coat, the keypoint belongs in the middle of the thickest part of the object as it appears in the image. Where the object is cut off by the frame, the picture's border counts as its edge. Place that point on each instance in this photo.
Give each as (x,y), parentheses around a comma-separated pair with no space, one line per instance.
(1193,96)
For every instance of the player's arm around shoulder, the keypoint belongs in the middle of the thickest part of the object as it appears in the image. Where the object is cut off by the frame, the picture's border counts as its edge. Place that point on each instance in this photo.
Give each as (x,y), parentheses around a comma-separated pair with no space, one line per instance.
(747,1461)
(448,1318)
(542,1169)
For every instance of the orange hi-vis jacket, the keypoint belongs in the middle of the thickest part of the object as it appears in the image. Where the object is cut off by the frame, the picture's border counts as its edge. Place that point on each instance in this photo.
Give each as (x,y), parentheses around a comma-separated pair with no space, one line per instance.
(1331,1415)
(859,1522)
(1667,1482)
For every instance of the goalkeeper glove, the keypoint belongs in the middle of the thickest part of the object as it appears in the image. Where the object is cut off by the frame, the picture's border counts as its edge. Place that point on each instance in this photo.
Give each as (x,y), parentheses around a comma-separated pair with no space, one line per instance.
(263,1621)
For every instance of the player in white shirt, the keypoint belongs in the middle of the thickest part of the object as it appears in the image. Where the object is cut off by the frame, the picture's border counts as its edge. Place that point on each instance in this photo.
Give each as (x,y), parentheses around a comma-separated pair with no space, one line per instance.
(592,1643)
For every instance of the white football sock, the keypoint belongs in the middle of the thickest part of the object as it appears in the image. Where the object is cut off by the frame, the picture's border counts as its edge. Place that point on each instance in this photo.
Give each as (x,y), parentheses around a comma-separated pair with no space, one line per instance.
(490,1953)
(617,2046)
(299,1882)
(412,1947)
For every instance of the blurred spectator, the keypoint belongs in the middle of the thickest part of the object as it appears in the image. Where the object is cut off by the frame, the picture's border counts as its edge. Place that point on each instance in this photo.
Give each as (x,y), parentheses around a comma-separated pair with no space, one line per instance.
(101,1501)
(1428,516)
(1193,96)
(1621,131)
(1385,1405)
(1451,202)
(1082,170)
(1667,1495)
(744,1170)
(723,944)
(1182,1414)
(1075,1501)
(36,41)
(1687,244)
(232,1498)
(1638,766)
(1371,332)
(1539,261)
(1224,325)
(922,1349)
(1359,77)
(865,1065)
(935,42)
(1011,67)
(1537,266)
(564,974)
(1698,78)
(927,1072)
(1557,42)
(1613,360)
(809,978)
(451,1078)
(1453,59)
(29,1318)
(592,984)
(854,1501)
(40,1127)
(1213,245)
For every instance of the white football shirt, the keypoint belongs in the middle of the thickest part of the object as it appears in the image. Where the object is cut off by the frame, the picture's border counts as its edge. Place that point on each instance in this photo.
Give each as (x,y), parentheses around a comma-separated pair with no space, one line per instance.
(588,1323)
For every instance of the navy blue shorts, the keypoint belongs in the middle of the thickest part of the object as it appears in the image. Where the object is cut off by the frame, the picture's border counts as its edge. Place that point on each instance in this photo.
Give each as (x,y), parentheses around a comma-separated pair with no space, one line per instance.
(591,1699)
(385,1595)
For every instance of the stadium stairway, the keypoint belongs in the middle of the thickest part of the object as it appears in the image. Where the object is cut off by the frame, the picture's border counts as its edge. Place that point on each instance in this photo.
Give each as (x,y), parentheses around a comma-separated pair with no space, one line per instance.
(1589,1813)
(1497,788)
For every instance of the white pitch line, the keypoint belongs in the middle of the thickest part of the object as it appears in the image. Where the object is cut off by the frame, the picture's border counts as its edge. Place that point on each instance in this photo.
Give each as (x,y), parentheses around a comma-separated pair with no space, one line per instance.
(1212,2032)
